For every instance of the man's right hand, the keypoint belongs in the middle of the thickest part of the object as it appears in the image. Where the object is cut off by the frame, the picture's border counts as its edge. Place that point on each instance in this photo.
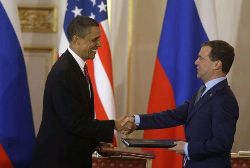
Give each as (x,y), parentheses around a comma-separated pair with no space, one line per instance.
(126,125)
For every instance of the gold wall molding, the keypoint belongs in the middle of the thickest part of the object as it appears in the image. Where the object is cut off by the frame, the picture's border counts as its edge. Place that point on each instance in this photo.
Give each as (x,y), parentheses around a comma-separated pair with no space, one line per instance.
(38,19)
(47,51)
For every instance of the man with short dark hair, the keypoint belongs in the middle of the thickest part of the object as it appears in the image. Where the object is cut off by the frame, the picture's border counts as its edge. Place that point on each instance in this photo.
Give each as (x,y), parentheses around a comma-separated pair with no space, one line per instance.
(209,117)
(69,133)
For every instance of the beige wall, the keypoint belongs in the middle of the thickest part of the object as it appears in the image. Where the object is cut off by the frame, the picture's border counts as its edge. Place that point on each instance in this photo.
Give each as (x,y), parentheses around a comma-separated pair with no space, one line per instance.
(140,25)
(146,34)
(241,79)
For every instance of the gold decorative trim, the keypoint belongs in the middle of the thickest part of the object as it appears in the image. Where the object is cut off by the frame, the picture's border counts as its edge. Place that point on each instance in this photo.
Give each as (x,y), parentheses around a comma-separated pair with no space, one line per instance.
(109,5)
(38,19)
(52,51)
(130,41)
(241,154)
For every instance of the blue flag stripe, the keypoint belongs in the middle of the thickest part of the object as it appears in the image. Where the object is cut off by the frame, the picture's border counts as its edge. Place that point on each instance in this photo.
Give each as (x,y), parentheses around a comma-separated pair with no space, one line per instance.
(181,39)
(85,8)
(16,123)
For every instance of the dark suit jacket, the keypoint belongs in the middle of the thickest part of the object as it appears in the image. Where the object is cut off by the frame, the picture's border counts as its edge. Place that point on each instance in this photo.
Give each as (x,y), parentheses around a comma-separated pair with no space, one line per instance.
(68,133)
(210,126)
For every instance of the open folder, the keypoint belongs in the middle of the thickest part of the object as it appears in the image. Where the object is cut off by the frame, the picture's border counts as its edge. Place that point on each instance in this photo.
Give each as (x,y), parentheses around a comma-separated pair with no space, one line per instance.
(124,152)
(149,143)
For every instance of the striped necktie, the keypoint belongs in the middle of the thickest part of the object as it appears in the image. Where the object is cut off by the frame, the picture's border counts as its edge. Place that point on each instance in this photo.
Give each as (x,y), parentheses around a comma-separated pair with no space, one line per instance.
(86,72)
(200,91)
(185,159)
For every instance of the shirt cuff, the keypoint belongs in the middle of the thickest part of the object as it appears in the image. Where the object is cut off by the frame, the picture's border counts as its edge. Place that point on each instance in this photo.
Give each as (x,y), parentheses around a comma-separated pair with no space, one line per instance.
(137,120)
(186,150)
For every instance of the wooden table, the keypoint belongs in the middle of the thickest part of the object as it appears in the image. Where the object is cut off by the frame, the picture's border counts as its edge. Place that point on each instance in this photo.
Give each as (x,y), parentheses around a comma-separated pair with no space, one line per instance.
(240,162)
(120,162)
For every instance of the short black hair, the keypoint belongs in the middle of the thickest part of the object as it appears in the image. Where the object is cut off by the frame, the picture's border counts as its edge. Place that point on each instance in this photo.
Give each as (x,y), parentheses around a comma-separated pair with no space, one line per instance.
(80,26)
(221,50)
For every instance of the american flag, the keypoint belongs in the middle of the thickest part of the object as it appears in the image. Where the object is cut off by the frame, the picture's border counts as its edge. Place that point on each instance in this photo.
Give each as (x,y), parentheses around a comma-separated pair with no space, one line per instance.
(100,69)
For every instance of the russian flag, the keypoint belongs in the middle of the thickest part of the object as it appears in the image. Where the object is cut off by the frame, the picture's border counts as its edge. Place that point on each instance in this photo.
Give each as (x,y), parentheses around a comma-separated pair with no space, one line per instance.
(16,124)
(185,28)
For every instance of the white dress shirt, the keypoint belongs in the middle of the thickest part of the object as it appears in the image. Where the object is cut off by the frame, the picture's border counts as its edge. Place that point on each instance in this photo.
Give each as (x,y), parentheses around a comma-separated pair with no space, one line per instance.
(80,62)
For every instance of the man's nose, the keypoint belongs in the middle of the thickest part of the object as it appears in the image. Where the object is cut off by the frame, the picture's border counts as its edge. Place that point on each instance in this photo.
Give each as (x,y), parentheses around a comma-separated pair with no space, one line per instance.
(196,62)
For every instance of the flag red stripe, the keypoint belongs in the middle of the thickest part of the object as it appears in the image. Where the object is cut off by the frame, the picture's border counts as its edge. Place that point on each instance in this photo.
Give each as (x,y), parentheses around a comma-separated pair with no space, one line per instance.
(100,112)
(161,94)
(105,56)
(162,98)
(4,160)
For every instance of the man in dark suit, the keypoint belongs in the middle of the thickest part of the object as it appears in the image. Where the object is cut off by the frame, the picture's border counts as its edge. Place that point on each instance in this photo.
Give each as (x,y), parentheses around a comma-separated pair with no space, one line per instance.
(69,133)
(209,117)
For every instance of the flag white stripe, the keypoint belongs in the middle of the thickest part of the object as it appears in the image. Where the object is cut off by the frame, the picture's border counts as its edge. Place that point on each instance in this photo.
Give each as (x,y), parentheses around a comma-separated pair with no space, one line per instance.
(207,14)
(63,44)
(106,29)
(104,88)
(11,10)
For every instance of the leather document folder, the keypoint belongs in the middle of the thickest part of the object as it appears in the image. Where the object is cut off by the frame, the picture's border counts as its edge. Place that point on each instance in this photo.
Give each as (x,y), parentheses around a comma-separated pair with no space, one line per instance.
(124,152)
(149,143)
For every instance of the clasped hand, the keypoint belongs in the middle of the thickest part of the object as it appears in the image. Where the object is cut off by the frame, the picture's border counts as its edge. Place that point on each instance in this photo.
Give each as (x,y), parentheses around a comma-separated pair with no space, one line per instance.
(126,125)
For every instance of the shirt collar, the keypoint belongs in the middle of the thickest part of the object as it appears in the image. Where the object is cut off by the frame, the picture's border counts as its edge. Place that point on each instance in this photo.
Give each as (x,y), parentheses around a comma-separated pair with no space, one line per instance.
(78,59)
(213,82)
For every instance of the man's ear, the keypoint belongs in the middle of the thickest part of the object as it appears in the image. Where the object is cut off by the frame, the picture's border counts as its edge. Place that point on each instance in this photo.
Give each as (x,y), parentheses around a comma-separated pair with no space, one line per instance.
(74,39)
(217,65)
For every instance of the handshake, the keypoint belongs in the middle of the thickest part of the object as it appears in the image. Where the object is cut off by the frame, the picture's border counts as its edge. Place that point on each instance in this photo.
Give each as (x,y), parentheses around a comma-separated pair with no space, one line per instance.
(126,125)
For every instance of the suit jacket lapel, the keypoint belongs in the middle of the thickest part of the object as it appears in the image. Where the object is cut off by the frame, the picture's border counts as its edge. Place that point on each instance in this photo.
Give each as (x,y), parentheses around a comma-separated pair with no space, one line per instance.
(82,78)
(206,97)
(92,99)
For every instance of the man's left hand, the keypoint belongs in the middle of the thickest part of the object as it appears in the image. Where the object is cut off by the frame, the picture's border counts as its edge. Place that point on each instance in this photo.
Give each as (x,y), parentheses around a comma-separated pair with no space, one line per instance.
(179,148)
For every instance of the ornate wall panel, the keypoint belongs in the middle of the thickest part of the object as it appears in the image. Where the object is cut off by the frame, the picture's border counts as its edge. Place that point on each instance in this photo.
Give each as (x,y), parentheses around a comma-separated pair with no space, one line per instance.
(38,19)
